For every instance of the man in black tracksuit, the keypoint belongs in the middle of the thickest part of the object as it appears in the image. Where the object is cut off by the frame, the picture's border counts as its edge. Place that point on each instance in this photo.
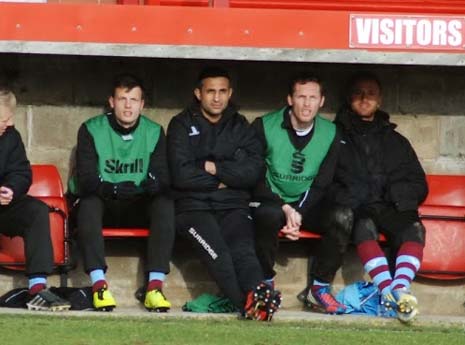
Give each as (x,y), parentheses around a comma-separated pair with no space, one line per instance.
(380,178)
(214,160)
(123,181)
(301,150)
(21,214)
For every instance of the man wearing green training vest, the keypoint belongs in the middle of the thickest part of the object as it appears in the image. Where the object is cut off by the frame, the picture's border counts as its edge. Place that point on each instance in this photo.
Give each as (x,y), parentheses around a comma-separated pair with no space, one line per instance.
(123,181)
(300,152)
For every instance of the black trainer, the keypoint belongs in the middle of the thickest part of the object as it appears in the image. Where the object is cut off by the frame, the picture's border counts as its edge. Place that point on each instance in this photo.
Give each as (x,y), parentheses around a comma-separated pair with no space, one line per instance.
(46,300)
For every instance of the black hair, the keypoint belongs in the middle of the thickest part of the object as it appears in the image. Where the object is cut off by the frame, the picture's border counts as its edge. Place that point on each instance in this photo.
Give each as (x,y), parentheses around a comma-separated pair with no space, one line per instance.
(128,82)
(303,78)
(362,76)
(212,72)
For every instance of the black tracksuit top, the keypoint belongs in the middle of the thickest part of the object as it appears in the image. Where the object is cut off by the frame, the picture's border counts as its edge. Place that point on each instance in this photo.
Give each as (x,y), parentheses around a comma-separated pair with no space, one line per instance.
(15,169)
(230,143)
(377,166)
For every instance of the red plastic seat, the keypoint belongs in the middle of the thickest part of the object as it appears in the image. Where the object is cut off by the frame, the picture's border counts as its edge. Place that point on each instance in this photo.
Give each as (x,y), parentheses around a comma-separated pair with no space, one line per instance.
(125,232)
(46,186)
(306,234)
(443,214)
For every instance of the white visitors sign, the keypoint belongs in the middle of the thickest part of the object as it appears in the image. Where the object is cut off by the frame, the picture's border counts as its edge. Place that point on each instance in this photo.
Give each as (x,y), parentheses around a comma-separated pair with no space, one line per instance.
(406,32)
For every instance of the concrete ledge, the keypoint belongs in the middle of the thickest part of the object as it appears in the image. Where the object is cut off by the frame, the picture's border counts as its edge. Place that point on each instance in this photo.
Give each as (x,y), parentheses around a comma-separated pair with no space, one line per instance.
(281,316)
(234,53)
(188,278)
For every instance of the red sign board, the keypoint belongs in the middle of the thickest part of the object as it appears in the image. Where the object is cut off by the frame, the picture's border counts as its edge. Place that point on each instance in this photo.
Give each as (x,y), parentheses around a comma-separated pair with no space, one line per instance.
(407,32)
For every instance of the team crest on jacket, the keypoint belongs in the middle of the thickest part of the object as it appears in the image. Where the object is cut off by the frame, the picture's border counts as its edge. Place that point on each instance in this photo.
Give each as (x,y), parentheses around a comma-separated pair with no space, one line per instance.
(194,131)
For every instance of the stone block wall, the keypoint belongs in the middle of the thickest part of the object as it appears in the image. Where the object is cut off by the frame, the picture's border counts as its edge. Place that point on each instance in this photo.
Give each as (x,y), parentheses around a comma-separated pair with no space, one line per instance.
(50,132)
(57,93)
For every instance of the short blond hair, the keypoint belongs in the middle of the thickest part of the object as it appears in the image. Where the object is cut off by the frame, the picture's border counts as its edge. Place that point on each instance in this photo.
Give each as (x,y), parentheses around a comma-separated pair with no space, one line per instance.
(7,98)
(7,102)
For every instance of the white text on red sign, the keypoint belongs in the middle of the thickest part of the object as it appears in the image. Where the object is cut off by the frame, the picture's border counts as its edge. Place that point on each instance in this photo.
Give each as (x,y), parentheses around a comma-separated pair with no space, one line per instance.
(406,32)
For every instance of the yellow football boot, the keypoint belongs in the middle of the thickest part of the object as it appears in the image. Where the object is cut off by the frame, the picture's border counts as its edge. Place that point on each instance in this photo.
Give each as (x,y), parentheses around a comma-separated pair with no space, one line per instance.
(156,301)
(103,300)
(407,304)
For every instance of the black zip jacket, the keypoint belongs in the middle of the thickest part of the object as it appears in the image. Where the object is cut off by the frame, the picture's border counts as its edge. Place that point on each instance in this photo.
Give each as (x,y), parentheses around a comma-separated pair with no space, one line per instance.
(231,144)
(377,166)
(15,169)
(89,180)
(262,191)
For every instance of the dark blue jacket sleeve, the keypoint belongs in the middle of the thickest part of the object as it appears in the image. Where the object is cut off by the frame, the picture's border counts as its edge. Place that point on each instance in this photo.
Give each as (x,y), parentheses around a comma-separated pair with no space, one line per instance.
(15,169)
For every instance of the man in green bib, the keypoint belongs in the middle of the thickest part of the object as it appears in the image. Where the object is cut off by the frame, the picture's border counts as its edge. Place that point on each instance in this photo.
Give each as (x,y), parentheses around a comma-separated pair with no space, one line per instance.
(123,181)
(300,154)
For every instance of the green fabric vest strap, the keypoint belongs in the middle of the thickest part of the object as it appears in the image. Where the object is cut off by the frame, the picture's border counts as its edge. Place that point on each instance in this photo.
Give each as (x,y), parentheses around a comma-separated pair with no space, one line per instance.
(123,157)
(290,172)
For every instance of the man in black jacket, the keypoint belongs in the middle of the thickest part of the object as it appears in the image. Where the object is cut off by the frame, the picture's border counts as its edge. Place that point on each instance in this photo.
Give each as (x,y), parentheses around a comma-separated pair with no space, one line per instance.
(380,178)
(23,215)
(123,181)
(215,159)
(301,150)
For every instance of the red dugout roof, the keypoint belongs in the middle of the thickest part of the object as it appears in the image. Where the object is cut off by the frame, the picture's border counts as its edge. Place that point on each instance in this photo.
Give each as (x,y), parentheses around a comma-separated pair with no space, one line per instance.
(327,31)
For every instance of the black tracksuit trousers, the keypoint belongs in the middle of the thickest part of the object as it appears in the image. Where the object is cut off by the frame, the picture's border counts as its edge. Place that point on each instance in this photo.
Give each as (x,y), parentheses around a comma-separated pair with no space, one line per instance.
(334,223)
(397,226)
(28,218)
(156,213)
(224,240)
